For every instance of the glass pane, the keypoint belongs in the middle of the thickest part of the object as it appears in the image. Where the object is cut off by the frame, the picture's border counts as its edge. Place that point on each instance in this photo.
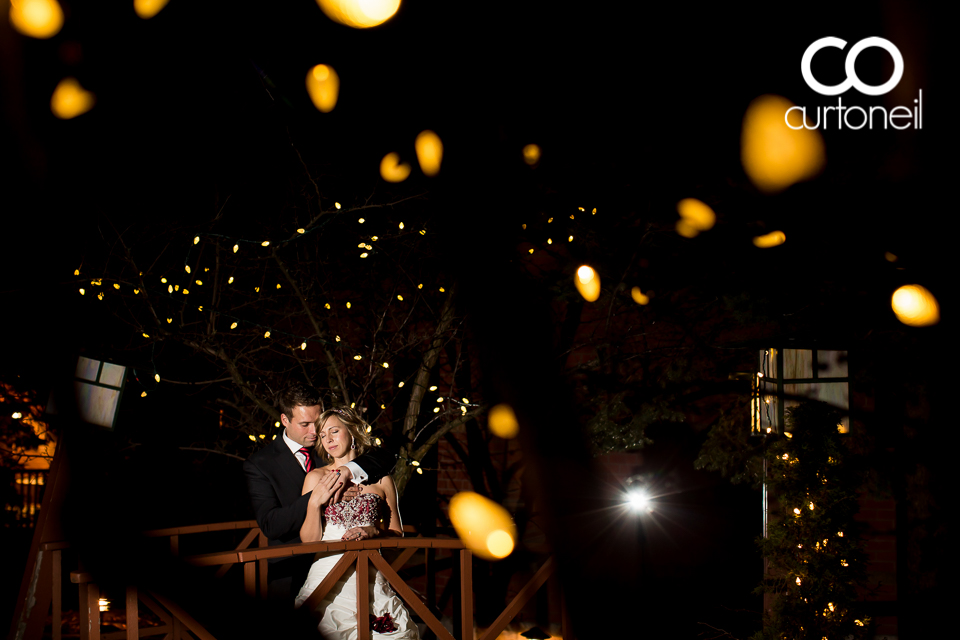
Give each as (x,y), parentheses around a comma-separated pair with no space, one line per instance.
(112,374)
(768,363)
(832,364)
(797,363)
(96,405)
(87,369)
(769,412)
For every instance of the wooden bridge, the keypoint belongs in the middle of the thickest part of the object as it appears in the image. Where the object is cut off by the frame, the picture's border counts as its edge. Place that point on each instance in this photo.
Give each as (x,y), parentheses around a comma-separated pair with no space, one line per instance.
(39,609)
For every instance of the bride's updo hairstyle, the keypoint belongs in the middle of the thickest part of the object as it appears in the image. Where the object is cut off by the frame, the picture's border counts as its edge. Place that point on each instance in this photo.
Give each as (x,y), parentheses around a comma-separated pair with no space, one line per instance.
(354,424)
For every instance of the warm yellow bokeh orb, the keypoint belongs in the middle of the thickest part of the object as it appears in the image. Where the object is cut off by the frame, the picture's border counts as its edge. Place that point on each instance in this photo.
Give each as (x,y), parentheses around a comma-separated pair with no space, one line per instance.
(36,18)
(695,216)
(588,283)
(775,156)
(915,306)
(360,14)
(485,527)
(500,544)
(70,100)
(771,239)
(146,9)
(531,154)
(638,296)
(503,422)
(323,85)
(392,170)
(429,152)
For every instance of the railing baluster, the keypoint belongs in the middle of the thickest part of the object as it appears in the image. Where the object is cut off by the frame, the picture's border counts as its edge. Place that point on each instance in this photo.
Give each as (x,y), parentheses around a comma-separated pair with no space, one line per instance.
(363,596)
(264,586)
(133,614)
(56,581)
(466,594)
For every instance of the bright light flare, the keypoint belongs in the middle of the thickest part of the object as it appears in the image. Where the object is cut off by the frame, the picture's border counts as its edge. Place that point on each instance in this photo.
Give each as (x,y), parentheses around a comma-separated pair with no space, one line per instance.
(695,216)
(531,154)
(36,18)
(485,527)
(359,14)
(70,100)
(503,422)
(588,283)
(323,85)
(775,156)
(771,239)
(392,170)
(639,501)
(915,306)
(429,152)
(146,9)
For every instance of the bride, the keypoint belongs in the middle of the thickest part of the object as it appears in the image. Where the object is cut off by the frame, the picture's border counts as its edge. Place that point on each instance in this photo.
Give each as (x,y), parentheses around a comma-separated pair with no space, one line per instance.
(342,437)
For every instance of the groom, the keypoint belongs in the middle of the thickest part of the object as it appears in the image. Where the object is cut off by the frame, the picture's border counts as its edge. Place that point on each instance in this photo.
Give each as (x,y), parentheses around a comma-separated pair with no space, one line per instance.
(275,478)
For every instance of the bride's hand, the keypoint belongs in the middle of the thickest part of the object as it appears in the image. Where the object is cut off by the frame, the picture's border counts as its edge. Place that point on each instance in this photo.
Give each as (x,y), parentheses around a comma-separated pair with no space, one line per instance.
(326,487)
(360,533)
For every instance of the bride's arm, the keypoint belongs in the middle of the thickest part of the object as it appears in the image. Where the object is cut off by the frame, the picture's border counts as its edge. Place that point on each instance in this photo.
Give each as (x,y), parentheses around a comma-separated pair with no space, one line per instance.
(395,526)
(322,483)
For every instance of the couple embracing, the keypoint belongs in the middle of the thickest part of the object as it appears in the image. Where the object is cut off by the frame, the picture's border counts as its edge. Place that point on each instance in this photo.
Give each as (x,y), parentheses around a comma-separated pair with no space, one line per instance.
(321,480)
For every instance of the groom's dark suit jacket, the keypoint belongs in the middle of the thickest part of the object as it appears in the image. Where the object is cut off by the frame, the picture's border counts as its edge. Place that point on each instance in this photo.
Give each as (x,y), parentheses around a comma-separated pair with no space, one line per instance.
(275,480)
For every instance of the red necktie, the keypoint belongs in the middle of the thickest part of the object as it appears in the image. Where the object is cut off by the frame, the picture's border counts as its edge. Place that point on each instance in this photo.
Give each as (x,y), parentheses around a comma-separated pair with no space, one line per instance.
(306,452)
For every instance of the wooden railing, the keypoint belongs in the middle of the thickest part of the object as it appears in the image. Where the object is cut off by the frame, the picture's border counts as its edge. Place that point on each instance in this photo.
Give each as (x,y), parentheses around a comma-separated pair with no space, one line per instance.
(177,624)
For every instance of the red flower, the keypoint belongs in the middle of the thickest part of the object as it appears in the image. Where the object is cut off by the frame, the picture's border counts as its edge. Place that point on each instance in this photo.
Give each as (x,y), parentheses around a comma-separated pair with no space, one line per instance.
(383,624)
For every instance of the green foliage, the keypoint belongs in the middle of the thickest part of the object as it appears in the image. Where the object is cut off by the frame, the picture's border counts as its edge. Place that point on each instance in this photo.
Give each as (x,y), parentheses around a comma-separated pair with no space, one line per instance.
(731,451)
(815,557)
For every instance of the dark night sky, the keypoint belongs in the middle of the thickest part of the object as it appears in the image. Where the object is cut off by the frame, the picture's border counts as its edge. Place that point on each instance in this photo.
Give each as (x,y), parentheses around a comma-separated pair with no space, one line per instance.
(634,106)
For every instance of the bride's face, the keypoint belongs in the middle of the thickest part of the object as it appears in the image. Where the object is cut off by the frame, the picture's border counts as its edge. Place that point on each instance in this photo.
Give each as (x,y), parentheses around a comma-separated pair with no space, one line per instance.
(335,437)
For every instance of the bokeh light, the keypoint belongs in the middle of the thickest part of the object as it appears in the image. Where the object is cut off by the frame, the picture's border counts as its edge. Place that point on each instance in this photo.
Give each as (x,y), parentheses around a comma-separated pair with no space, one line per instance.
(392,170)
(531,154)
(775,156)
(146,9)
(484,526)
(360,14)
(695,216)
(429,152)
(36,18)
(771,239)
(323,85)
(588,283)
(70,100)
(503,422)
(915,306)
(638,296)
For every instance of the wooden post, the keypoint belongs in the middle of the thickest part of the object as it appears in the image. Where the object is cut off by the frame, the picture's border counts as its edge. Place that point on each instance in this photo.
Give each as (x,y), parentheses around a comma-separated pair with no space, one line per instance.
(175,545)
(264,585)
(250,579)
(363,596)
(56,558)
(133,614)
(89,611)
(466,594)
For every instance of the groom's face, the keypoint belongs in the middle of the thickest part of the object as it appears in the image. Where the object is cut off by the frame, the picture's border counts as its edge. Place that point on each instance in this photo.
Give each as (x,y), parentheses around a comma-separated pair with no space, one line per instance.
(303,427)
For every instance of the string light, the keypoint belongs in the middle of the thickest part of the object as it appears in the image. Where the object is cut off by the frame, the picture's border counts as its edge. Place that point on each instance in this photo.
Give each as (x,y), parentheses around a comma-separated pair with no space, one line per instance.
(772,239)
(186,268)
(143,394)
(549,240)
(170,288)
(336,205)
(156,377)
(357,357)
(116,286)
(570,239)
(265,243)
(163,280)
(442,290)
(429,152)
(266,334)
(531,154)
(236,248)
(364,254)
(392,170)
(400,298)
(338,338)
(278,285)
(36,18)
(419,286)
(400,385)
(433,388)
(327,306)
(386,365)
(359,14)
(436,409)
(401,225)
(362,220)
(348,305)
(186,292)
(169,320)
(301,230)
(199,283)
(915,306)
(230,280)
(303,346)
(587,282)
(16,415)
(196,240)
(233,326)
(82,292)
(100,296)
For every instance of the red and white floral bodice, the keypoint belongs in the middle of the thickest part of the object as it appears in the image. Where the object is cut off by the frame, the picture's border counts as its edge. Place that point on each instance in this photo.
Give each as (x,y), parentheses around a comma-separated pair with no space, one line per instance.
(363,511)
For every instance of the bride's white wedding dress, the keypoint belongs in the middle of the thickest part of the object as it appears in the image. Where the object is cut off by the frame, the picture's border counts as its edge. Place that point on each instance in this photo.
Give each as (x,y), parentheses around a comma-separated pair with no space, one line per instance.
(339,607)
